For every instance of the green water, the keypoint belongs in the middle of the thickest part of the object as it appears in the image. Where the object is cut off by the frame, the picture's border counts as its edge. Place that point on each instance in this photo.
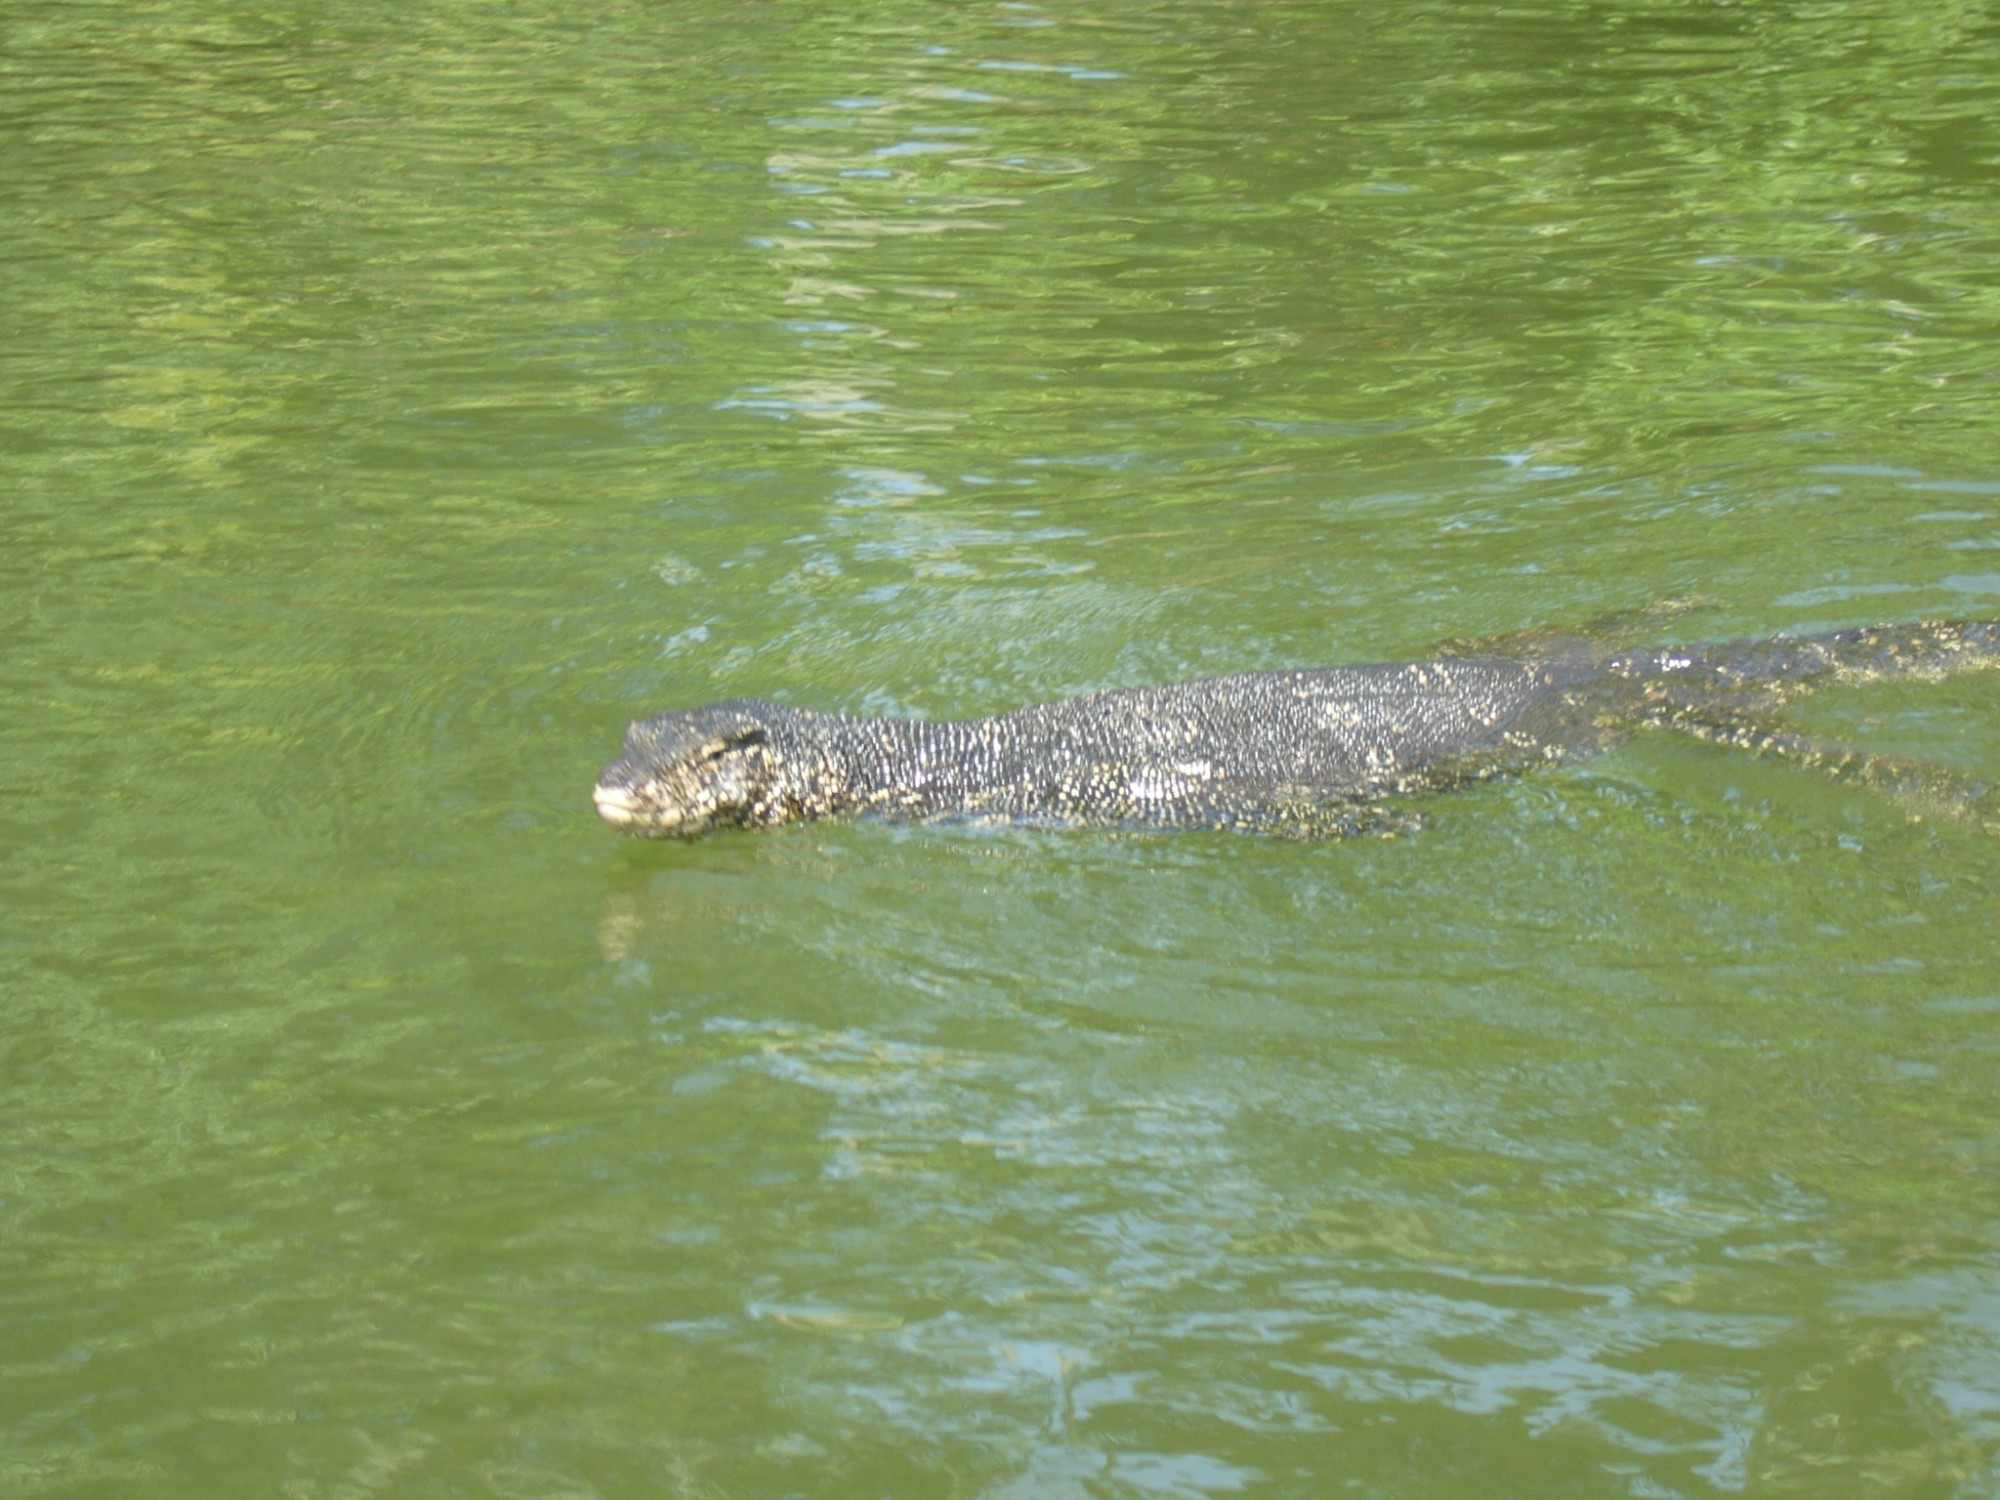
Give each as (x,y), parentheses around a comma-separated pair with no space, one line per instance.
(394,400)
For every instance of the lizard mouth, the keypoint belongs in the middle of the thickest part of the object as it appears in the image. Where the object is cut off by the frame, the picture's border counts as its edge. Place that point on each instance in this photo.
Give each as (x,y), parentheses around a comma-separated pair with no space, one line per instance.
(618,806)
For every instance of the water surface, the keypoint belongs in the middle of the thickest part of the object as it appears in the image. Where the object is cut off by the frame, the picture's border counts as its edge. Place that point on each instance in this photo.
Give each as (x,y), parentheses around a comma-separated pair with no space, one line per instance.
(396,400)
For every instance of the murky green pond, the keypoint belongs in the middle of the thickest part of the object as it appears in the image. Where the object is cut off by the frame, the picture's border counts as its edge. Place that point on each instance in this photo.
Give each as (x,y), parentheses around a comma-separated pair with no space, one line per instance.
(394,400)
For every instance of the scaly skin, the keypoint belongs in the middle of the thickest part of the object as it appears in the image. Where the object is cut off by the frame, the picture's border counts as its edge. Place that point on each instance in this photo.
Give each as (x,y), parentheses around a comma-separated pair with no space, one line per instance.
(1305,753)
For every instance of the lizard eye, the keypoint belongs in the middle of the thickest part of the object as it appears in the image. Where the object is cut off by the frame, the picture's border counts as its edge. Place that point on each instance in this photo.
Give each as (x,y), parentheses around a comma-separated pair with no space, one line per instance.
(716,749)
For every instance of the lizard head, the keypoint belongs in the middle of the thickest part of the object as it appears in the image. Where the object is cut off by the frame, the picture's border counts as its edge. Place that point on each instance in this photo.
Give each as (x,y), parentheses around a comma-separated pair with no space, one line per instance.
(684,774)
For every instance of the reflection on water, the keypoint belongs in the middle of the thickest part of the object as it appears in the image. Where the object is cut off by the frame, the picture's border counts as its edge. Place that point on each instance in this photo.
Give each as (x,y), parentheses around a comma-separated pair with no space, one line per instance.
(1089,1257)
(1074,1204)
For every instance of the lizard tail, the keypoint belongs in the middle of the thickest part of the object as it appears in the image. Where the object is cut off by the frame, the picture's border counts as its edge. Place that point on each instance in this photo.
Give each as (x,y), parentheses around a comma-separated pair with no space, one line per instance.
(1928,649)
